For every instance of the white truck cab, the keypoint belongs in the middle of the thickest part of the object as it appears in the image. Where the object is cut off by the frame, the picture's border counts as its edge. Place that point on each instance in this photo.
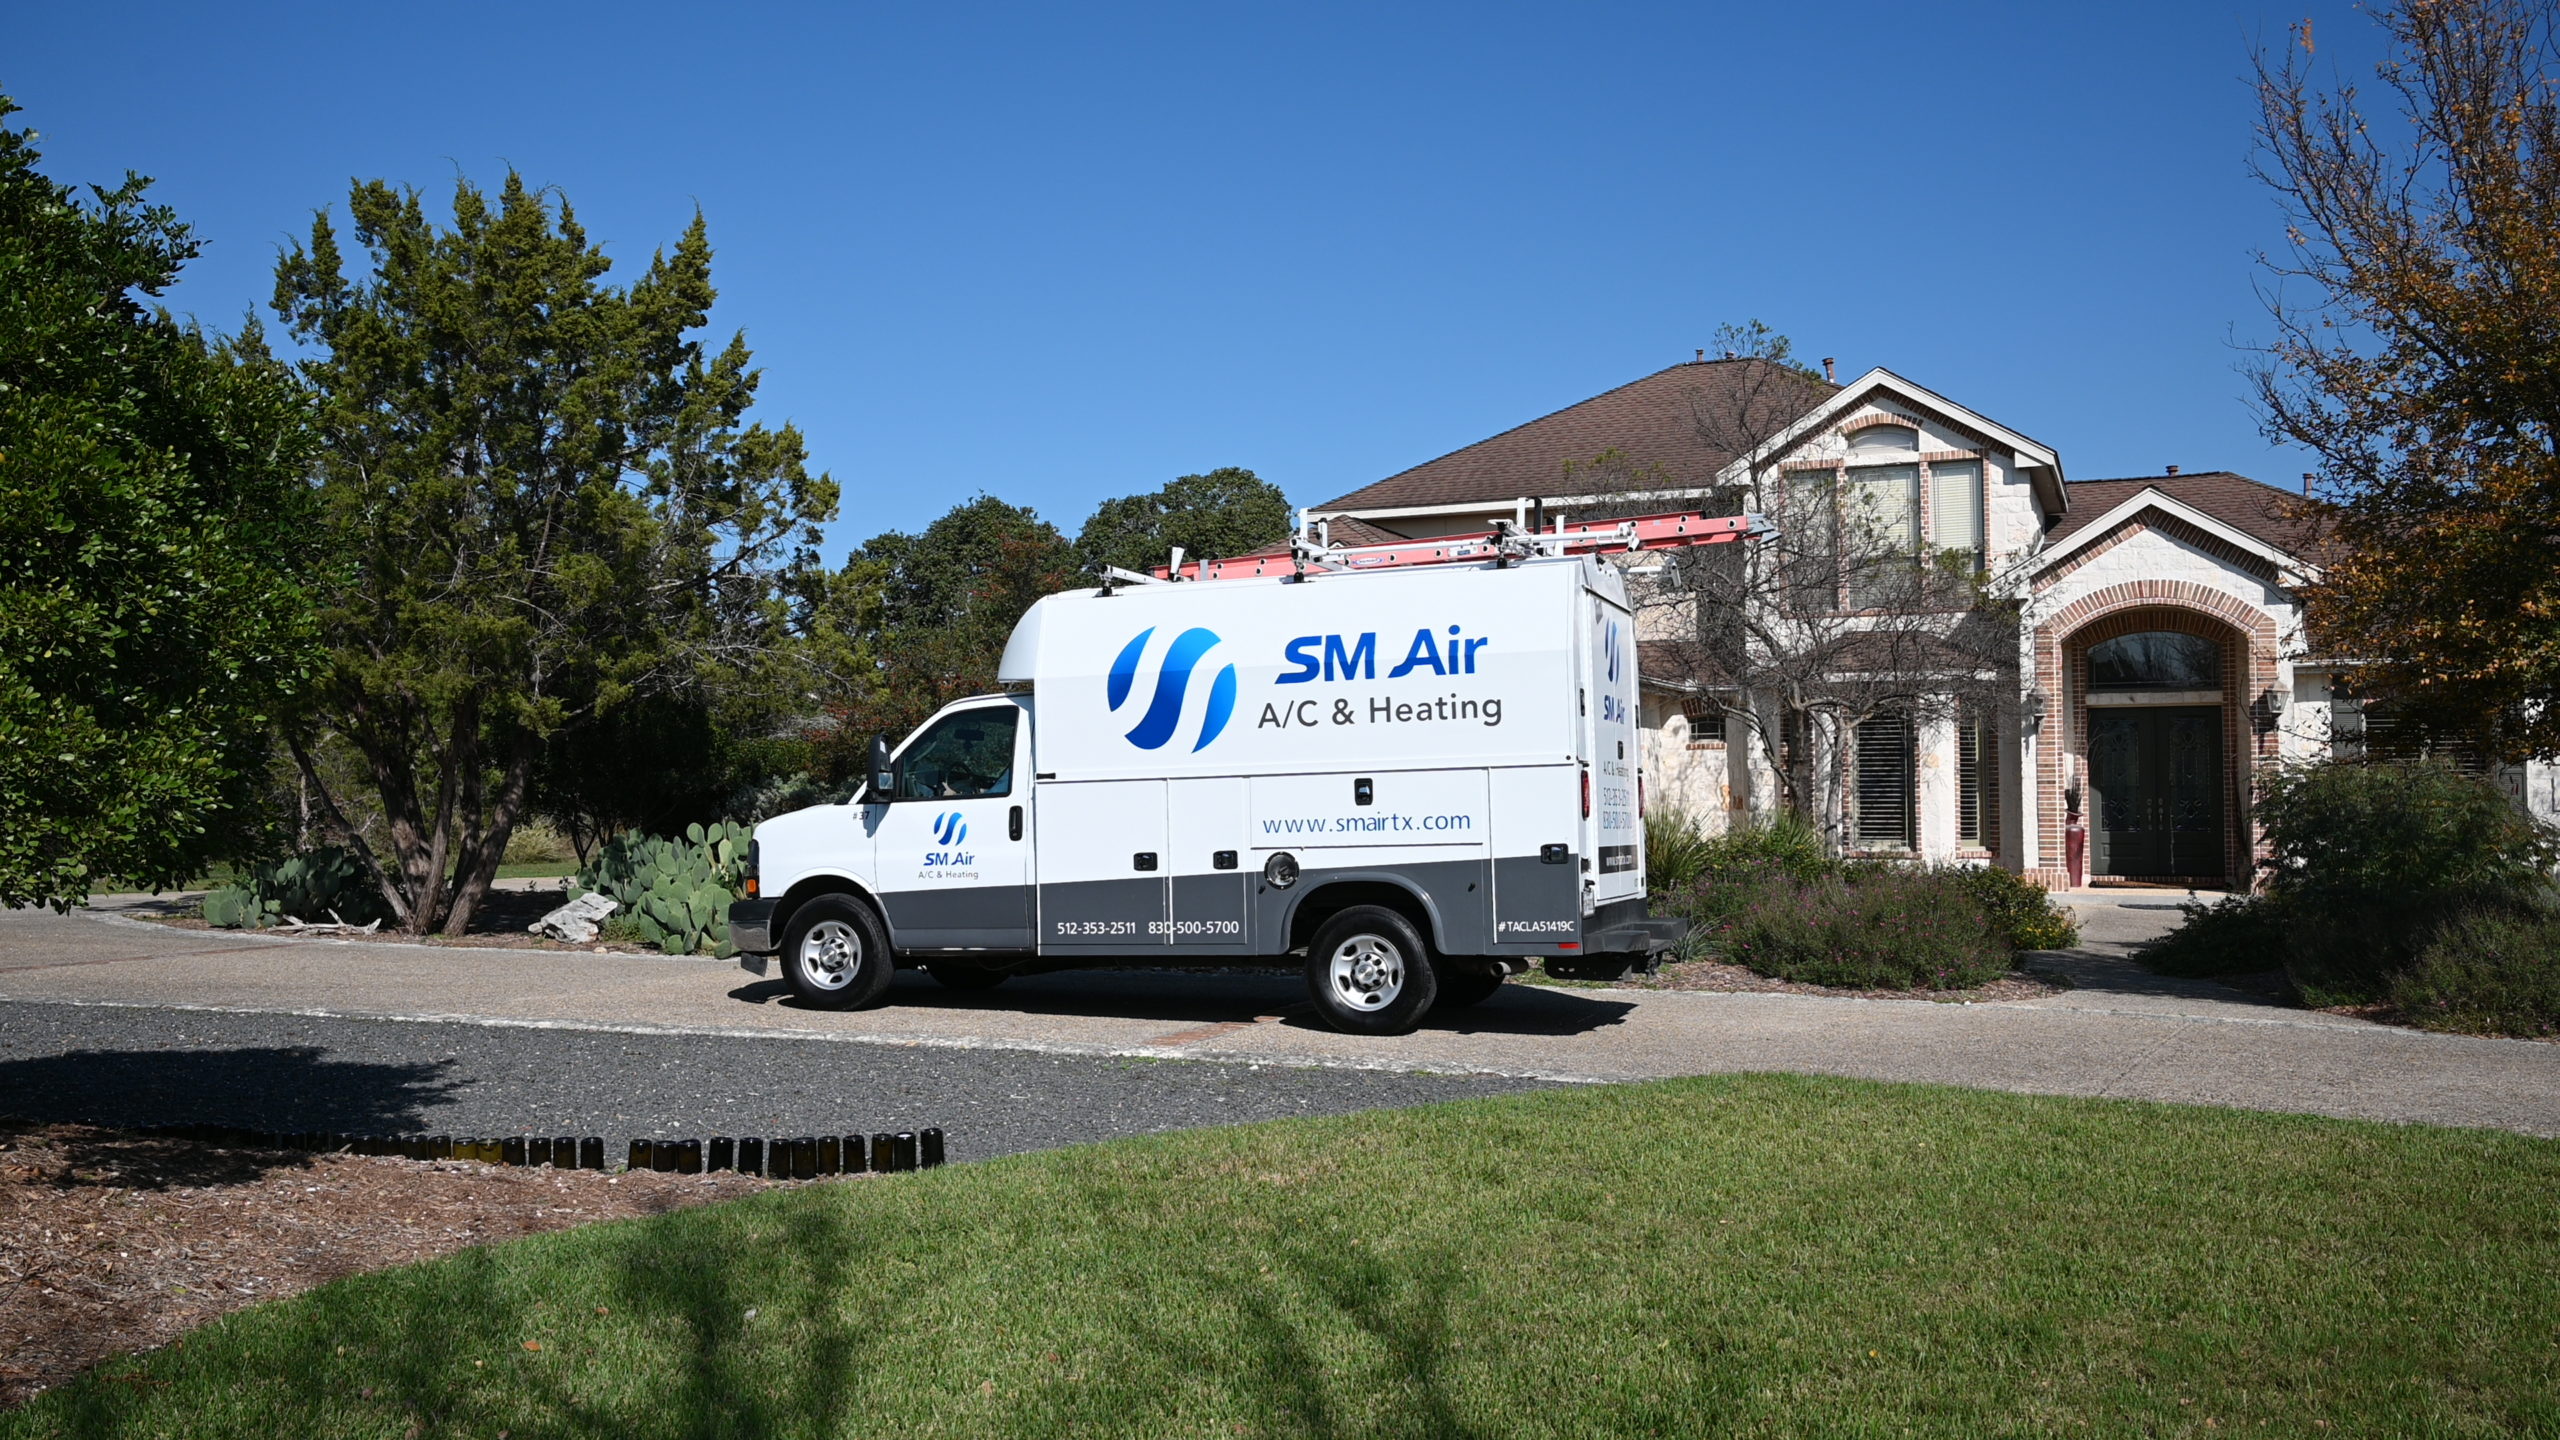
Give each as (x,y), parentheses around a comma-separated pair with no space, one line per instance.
(1424,780)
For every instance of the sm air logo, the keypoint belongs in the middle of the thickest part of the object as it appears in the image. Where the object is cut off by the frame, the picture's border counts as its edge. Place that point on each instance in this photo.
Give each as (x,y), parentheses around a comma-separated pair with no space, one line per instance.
(1613,706)
(1163,714)
(949,829)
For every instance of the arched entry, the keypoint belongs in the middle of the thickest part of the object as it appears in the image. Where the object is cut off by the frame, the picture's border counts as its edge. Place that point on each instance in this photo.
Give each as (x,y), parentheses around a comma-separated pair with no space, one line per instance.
(2155,756)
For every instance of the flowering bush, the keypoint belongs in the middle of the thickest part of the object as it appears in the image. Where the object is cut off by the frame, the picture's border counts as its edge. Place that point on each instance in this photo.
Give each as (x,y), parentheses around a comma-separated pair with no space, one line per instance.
(2489,972)
(1882,927)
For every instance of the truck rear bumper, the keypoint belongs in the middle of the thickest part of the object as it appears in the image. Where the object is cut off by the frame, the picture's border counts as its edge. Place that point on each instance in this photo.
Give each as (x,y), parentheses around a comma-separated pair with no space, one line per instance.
(751,926)
(1648,935)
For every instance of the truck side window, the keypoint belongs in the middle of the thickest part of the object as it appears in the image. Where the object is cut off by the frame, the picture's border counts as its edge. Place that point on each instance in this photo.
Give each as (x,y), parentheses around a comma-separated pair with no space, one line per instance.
(967,756)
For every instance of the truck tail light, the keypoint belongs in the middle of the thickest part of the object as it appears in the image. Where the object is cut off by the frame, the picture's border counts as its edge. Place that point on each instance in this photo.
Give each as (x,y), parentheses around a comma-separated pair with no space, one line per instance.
(1586,794)
(755,864)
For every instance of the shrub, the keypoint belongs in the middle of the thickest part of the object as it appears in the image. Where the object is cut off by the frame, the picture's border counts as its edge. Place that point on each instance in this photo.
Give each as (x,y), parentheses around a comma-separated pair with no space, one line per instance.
(1889,929)
(1785,843)
(2236,935)
(1727,872)
(1675,850)
(2491,972)
(2019,909)
(536,843)
(2373,858)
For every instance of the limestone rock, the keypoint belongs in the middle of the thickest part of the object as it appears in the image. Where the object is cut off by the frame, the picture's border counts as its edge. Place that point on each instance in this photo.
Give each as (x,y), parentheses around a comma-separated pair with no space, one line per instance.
(575,922)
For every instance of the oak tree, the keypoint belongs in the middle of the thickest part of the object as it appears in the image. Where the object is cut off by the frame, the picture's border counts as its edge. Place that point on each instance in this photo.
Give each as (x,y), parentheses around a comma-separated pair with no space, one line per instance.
(2423,363)
(153,540)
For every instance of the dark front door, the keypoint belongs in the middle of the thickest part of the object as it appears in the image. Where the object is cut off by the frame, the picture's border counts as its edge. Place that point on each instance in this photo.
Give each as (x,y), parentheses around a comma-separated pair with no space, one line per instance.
(2155,790)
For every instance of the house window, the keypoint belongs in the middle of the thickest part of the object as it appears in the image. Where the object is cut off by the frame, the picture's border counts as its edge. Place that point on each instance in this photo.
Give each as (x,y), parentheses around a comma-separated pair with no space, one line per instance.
(1868,520)
(2156,660)
(1977,785)
(1884,440)
(1955,509)
(1881,789)
(1706,719)
(1882,507)
(2383,735)
(1808,540)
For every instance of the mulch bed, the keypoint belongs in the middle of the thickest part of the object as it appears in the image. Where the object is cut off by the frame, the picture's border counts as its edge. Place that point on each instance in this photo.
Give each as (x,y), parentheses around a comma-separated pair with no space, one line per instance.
(1716,976)
(498,923)
(113,1243)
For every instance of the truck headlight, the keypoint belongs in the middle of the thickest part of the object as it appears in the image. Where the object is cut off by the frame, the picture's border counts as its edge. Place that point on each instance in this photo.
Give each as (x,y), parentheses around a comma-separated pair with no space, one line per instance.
(1281,870)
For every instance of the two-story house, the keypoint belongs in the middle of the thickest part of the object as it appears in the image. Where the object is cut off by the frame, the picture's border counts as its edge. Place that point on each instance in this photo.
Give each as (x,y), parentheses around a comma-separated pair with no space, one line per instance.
(2160,657)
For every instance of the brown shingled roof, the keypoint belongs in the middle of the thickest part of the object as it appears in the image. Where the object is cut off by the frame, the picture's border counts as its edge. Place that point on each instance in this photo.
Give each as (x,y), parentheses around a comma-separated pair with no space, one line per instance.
(1341,530)
(2254,508)
(1652,421)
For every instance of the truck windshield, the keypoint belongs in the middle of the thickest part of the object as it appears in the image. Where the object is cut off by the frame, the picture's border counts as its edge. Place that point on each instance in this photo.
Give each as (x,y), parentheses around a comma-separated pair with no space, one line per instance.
(963,757)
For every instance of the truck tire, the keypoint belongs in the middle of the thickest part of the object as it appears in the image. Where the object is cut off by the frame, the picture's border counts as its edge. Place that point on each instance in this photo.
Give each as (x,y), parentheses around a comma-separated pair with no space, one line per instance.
(835,953)
(1462,988)
(961,975)
(1370,973)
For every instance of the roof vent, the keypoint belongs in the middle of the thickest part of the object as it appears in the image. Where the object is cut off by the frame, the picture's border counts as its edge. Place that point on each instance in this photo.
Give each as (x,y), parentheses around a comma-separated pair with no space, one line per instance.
(1729,355)
(1829,372)
(1702,357)
(2173,469)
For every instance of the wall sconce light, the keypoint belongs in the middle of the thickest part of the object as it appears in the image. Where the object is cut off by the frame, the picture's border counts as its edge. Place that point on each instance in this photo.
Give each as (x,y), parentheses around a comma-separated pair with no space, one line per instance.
(2272,702)
(2033,707)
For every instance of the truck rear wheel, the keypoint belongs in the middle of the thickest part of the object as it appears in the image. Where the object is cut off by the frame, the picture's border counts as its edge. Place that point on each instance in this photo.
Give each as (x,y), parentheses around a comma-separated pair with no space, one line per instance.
(1370,973)
(1462,988)
(836,954)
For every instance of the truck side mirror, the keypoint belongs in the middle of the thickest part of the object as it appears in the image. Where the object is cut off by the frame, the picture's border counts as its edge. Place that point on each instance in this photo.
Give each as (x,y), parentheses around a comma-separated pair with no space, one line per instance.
(884,776)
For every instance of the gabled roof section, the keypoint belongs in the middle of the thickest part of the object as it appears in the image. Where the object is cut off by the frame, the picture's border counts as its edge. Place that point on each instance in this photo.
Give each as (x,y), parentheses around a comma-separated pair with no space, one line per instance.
(2256,518)
(2035,457)
(2275,517)
(1652,421)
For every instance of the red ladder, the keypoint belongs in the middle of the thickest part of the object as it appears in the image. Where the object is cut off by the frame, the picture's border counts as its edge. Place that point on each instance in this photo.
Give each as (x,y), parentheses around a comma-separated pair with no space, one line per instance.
(1668,529)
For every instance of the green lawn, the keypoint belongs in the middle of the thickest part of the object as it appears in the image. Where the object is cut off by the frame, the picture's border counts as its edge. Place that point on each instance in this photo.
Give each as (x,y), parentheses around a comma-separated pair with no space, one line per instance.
(1750,1256)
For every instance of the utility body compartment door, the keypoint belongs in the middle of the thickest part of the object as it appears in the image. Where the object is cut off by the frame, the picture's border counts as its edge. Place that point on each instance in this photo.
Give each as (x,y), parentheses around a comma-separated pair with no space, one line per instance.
(1205,824)
(1100,855)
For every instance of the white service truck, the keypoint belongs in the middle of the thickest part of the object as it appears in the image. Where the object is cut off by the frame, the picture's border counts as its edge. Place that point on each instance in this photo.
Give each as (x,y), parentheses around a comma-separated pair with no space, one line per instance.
(1425,779)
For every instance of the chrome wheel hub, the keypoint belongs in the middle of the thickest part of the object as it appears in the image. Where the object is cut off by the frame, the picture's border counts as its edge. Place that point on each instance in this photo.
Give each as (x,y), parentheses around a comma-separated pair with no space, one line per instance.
(1367,973)
(830,953)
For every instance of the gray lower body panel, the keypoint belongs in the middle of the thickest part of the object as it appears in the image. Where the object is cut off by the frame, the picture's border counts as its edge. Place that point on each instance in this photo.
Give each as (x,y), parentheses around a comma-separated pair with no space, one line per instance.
(1240,914)
(972,917)
(1538,906)
(1103,915)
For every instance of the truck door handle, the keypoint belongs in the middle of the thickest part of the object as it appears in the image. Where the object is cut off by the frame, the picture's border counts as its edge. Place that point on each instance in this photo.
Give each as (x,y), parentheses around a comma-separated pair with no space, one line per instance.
(1143,860)
(1013,823)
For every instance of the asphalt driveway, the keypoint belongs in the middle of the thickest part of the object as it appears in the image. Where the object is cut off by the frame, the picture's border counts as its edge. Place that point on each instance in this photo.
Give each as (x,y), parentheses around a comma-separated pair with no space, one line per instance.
(696,1045)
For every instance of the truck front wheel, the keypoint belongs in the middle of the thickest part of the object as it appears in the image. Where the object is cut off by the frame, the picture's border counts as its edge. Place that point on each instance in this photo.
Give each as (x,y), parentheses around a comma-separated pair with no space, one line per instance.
(836,954)
(1370,973)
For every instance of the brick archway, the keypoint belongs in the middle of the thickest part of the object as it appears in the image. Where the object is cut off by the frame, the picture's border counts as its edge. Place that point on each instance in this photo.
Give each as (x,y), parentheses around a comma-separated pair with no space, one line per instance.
(2248,639)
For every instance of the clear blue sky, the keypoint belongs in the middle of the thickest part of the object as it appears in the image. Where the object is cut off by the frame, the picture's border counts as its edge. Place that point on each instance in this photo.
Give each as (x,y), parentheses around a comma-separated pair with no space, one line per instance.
(1061,253)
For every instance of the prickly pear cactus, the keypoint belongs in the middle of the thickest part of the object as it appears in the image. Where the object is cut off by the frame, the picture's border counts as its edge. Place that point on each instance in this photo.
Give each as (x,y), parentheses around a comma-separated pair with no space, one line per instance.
(677,891)
(315,885)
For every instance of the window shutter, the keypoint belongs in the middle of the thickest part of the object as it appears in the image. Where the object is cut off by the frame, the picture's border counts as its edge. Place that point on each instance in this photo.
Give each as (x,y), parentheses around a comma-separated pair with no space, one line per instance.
(1883,793)
(1977,785)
